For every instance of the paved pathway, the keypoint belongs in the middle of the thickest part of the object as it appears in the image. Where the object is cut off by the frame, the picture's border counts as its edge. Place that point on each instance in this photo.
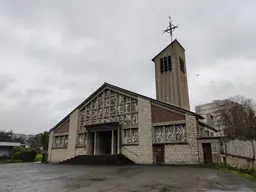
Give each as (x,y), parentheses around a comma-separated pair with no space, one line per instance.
(49,177)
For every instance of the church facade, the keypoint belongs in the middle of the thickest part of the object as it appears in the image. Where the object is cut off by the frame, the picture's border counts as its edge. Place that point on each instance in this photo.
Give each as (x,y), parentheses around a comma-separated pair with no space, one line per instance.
(114,121)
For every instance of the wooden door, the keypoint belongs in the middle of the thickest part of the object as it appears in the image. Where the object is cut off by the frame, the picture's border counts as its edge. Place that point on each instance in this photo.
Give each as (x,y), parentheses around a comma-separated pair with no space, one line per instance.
(158,154)
(207,150)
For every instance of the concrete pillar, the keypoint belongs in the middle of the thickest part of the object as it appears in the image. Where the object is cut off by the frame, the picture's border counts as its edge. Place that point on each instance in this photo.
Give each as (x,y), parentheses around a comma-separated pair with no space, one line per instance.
(89,143)
(73,127)
(50,146)
(113,143)
(118,139)
(95,144)
(145,132)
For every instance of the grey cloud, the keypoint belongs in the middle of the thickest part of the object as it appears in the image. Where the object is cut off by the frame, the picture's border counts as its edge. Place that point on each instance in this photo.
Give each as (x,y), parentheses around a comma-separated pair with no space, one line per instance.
(72,48)
(5,82)
(26,118)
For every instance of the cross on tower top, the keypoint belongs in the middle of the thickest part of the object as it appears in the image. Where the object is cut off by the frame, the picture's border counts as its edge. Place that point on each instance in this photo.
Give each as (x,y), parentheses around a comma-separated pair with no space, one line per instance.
(170,28)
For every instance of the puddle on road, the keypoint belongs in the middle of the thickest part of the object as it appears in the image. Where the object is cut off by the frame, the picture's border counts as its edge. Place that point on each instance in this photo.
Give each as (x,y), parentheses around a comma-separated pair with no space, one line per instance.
(240,190)
(82,182)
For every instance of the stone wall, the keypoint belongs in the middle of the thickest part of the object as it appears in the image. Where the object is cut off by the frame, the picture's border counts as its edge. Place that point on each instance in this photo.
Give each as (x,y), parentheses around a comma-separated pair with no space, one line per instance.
(239,153)
(81,151)
(58,155)
(73,127)
(240,148)
(132,152)
(184,153)
(143,151)
(145,131)
(215,146)
(240,162)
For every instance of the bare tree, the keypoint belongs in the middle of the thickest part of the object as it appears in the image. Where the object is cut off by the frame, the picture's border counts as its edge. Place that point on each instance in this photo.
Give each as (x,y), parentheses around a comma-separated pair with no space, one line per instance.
(239,119)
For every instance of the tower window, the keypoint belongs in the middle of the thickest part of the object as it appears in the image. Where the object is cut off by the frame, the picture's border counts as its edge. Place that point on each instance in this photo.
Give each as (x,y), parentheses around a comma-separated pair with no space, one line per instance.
(169,63)
(182,65)
(161,65)
(165,64)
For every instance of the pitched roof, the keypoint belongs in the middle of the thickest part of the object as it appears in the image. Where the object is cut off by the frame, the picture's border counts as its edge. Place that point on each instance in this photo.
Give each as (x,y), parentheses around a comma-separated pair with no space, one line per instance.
(10,144)
(208,126)
(107,85)
(167,47)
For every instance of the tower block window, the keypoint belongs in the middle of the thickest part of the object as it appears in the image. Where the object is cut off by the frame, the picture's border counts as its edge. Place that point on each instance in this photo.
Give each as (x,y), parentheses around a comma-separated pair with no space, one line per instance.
(161,65)
(169,63)
(182,65)
(166,64)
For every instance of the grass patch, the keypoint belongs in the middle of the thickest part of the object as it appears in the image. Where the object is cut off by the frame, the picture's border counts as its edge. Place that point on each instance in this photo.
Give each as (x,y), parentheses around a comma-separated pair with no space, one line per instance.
(38,157)
(247,173)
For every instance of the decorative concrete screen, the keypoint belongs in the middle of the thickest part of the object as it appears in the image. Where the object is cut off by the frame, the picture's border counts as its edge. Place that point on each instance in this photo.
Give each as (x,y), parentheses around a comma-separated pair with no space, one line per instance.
(60,141)
(109,107)
(81,141)
(170,134)
(130,136)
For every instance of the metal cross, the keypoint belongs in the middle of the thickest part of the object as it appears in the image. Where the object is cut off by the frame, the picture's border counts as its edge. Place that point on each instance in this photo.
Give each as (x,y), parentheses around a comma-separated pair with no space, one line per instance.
(170,29)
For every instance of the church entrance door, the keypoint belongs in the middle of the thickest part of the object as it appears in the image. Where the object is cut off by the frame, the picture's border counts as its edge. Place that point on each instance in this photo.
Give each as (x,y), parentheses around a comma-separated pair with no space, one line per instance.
(105,142)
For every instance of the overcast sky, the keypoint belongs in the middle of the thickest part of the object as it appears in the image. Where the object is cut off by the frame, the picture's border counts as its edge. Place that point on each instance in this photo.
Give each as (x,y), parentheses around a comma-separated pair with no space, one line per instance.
(54,54)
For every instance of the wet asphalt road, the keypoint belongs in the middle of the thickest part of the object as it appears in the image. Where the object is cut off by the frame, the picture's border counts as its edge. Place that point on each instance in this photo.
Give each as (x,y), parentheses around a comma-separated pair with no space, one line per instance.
(50,177)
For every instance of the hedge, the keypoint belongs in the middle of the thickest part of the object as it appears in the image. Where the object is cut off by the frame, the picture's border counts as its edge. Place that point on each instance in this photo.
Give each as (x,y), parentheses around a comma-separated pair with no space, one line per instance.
(28,156)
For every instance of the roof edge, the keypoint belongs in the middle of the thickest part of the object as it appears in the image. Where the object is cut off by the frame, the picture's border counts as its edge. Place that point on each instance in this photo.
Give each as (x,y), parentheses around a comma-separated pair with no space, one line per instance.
(130,93)
(175,40)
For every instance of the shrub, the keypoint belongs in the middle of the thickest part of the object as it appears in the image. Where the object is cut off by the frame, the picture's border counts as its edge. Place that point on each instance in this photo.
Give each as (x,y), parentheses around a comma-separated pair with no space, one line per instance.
(38,157)
(3,158)
(18,149)
(28,156)
(16,155)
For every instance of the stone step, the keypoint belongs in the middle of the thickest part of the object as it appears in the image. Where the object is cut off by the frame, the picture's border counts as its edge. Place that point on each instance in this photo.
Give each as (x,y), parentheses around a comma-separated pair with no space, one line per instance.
(98,160)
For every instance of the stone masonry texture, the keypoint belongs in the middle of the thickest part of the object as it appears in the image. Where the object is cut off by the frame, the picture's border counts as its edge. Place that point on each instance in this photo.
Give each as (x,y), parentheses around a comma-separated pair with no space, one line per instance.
(215,146)
(59,155)
(142,153)
(184,153)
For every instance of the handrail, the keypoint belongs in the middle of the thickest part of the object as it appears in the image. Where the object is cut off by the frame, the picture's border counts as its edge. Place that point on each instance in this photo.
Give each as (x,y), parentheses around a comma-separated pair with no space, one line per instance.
(130,151)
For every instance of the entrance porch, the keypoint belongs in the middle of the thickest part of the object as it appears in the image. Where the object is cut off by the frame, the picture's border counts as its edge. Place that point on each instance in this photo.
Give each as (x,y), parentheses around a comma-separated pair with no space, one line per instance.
(103,139)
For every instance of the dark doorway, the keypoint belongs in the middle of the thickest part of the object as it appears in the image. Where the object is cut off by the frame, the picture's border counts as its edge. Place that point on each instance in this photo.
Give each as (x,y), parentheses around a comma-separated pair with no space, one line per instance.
(207,150)
(105,142)
(158,151)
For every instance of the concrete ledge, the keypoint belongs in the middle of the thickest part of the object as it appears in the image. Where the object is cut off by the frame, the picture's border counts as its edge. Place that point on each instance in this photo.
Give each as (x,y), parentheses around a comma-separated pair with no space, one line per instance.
(247,158)
(176,143)
(59,147)
(130,144)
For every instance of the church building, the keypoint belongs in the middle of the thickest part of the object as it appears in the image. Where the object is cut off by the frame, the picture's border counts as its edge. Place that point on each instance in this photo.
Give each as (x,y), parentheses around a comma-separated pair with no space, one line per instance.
(114,121)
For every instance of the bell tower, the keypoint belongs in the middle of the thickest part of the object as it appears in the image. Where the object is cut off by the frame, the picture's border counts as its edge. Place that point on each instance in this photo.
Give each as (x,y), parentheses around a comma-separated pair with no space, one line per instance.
(171,74)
